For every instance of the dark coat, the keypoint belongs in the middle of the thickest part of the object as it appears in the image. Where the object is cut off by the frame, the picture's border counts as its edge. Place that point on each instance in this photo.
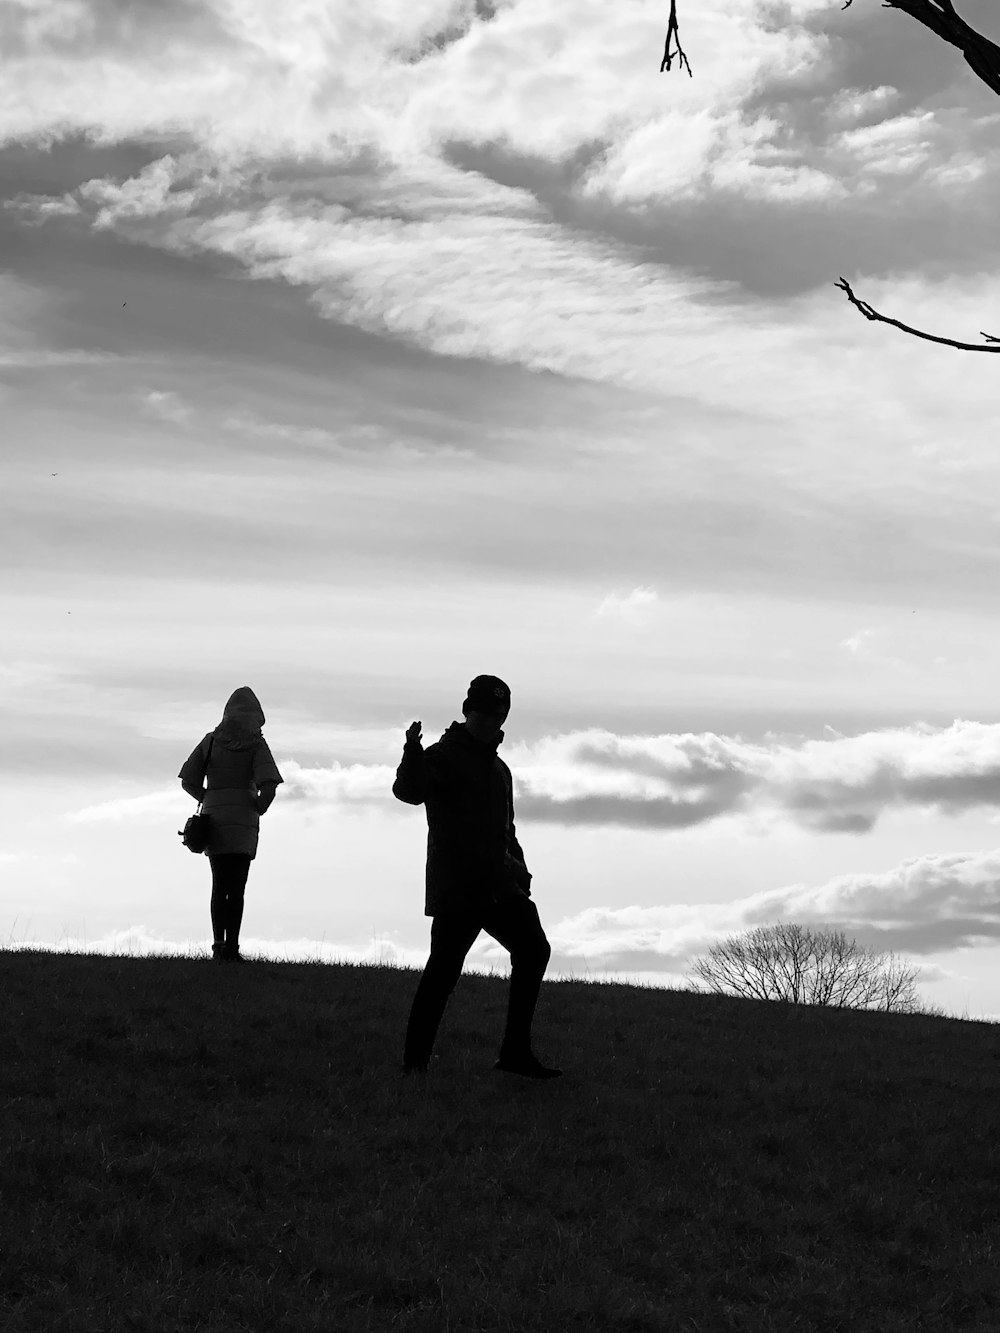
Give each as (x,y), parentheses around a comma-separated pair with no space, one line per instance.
(232,779)
(473,855)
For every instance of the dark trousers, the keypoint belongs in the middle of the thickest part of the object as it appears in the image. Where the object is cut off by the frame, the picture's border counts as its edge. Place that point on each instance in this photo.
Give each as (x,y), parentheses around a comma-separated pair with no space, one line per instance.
(513,923)
(229,881)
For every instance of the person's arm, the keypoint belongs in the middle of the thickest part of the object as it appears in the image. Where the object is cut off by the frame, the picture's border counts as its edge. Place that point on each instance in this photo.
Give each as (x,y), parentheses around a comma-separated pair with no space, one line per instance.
(265,795)
(514,853)
(411,776)
(266,777)
(192,775)
(515,863)
(514,849)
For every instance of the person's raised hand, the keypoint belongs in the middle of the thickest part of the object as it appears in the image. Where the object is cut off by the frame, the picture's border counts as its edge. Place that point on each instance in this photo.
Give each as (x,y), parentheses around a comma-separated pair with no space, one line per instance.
(413,733)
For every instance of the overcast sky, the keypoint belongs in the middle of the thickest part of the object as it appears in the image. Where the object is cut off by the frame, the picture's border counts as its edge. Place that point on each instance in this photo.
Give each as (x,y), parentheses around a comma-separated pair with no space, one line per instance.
(349,351)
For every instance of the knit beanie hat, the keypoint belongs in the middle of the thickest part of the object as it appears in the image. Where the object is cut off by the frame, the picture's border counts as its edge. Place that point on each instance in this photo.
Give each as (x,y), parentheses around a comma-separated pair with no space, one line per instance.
(487,694)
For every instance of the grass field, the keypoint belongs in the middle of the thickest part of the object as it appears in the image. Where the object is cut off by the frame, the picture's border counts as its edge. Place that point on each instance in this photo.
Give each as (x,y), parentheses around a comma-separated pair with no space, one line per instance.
(193,1147)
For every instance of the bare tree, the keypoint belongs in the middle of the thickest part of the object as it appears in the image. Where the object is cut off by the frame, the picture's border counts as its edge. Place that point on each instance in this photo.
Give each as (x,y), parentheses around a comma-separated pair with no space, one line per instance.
(983,58)
(796,965)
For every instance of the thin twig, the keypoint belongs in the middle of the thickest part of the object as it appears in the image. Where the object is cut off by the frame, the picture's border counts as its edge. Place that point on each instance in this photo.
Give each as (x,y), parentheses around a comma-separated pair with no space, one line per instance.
(870,313)
(674,33)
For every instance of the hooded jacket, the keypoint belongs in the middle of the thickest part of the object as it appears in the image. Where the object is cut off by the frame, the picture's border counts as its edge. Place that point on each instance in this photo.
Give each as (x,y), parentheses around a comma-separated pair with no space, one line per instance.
(473,856)
(241,761)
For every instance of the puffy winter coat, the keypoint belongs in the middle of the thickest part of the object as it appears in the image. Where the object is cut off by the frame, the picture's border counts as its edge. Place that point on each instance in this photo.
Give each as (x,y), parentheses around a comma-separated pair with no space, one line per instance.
(232,778)
(473,855)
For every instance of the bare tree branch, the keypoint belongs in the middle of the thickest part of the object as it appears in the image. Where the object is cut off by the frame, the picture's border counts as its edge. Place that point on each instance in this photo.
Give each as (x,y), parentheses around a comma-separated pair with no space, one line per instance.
(673,33)
(870,313)
(981,55)
(983,58)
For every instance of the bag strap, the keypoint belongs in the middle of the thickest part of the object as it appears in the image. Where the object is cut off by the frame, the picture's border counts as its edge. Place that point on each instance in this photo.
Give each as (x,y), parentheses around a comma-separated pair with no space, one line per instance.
(211,742)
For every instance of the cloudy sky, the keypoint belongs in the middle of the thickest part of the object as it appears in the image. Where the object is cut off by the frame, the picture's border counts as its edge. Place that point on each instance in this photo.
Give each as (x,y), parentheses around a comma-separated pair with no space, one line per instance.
(351,351)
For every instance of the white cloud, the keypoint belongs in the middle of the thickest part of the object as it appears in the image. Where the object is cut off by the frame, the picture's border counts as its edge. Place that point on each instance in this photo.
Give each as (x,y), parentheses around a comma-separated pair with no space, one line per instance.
(350,441)
(892,147)
(834,785)
(245,74)
(151,808)
(35,211)
(340,784)
(963,168)
(921,906)
(857,644)
(460,289)
(838,784)
(43,358)
(150,192)
(494,279)
(854,103)
(636,608)
(168,406)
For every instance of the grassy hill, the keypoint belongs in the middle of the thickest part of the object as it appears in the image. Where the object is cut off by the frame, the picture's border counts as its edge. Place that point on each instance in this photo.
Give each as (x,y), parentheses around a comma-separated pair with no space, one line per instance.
(193,1147)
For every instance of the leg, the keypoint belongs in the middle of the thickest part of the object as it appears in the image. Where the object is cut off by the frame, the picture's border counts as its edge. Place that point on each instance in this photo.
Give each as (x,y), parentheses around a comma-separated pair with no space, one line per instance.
(239,871)
(229,877)
(218,907)
(514,923)
(452,937)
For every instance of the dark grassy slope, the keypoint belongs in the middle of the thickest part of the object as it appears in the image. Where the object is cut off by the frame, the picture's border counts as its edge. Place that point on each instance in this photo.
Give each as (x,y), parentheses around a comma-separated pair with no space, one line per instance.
(186,1146)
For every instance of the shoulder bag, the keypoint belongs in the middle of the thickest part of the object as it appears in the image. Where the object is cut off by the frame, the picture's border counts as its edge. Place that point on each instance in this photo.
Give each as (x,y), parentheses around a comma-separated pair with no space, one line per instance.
(197,831)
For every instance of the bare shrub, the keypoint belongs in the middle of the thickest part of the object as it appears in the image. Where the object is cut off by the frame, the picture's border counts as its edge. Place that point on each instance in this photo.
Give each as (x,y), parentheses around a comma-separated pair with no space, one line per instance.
(797,965)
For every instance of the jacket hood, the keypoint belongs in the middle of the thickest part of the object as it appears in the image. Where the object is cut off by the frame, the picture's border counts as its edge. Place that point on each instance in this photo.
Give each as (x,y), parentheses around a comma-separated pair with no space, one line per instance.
(242,719)
(243,703)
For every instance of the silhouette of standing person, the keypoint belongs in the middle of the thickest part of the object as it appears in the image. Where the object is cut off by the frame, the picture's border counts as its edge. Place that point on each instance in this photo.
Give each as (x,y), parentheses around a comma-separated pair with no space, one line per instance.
(236,782)
(476,878)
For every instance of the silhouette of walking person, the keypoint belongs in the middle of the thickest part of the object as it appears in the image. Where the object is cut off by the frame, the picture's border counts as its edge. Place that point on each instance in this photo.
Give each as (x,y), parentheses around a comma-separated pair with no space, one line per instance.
(232,771)
(476,878)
